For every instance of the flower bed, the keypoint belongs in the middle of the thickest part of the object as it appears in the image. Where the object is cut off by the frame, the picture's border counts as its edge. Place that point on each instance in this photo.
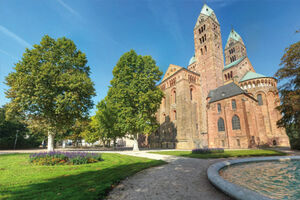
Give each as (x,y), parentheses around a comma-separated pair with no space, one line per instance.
(208,150)
(64,158)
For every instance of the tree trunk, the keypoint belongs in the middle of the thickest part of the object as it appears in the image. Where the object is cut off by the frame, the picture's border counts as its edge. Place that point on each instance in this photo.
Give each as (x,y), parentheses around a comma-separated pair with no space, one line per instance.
(115,143)
(50,141)
(135,143)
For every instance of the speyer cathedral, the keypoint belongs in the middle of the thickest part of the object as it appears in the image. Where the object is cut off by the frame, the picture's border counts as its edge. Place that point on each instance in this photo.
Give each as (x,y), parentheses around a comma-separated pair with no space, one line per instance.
(209,104)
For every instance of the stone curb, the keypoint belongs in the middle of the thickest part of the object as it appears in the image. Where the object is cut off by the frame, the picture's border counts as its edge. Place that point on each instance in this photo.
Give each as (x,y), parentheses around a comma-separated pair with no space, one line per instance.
(233,190)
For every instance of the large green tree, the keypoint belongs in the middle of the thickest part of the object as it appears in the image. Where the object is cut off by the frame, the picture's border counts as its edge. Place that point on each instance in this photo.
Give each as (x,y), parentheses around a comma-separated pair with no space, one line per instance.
(289,73)
(51,87)
(135,95)
(107,117)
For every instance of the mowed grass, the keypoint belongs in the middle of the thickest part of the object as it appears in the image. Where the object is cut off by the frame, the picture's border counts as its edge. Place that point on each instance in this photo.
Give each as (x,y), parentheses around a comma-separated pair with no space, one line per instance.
(21,180)
(226,154)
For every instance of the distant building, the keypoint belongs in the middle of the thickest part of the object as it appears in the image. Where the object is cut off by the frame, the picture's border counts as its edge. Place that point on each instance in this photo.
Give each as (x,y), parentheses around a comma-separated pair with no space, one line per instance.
(208,104)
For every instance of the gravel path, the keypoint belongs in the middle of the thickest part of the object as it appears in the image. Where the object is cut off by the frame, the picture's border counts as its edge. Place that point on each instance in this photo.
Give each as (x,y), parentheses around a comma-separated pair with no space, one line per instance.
(182,179)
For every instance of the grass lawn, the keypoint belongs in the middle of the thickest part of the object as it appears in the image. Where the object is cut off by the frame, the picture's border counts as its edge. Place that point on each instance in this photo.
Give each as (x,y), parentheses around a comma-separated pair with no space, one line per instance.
(226,154)
(21,180)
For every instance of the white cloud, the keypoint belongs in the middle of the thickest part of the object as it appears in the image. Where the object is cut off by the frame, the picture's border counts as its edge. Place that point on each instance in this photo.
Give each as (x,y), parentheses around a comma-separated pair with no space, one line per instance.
(71,10)
(14,36)
(4,52)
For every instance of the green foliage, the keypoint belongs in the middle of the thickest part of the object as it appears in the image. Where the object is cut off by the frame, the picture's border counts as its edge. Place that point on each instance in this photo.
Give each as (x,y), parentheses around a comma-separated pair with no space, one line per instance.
(50,87)
(8,131)
(92,133)
(63,158)
(134,93)
(22,180)
(107,120)
(293,132)
(290,93)
(225,154)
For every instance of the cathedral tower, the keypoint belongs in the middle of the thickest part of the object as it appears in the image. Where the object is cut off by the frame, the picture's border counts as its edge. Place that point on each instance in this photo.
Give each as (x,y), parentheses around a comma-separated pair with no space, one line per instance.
(209,57)
(208,50)
(234,48)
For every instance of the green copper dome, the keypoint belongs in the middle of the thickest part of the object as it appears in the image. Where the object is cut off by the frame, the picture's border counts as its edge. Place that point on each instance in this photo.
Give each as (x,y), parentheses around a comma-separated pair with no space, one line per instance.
(251,75)
(192,60)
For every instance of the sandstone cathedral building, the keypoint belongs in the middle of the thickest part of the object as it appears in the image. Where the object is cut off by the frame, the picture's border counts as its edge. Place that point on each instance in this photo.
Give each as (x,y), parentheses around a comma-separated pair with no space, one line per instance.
(209,104)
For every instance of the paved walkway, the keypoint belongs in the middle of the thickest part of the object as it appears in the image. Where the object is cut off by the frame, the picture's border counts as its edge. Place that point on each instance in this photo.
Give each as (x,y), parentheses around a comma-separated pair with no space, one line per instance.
(182,179)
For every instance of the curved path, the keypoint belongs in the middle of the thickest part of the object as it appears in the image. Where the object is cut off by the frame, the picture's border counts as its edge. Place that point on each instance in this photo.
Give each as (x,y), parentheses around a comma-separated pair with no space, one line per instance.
(182,179)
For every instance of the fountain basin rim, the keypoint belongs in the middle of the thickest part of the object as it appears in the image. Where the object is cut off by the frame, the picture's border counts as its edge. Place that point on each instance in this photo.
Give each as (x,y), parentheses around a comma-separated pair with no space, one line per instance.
(236,191)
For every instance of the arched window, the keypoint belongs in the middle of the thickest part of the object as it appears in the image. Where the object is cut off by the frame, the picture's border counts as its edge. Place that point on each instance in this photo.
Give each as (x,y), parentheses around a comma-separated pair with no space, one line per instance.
(233,103)
(175,115)
(174,94)
(204,27)
(205,48)
(236,123)
(191,93)
(231,74)
(201,51)
(259,99)
(225,77)
(221,125)
(238,142)
(219,108)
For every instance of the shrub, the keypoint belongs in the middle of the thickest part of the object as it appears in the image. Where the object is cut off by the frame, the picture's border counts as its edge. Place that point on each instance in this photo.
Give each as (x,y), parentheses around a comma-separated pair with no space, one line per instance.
(63,158)
(208,150)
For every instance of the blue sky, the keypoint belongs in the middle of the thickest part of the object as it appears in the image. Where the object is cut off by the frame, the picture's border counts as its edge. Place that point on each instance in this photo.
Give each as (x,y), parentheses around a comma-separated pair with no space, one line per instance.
(106,29)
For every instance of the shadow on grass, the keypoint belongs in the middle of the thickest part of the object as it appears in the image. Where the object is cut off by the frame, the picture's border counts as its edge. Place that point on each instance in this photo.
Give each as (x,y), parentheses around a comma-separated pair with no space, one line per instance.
(88,185)
(226,154)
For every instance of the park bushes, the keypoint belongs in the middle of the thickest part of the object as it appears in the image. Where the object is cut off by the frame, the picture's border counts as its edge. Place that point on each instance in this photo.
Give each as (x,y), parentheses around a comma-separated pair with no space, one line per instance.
(207,150)
(64,158)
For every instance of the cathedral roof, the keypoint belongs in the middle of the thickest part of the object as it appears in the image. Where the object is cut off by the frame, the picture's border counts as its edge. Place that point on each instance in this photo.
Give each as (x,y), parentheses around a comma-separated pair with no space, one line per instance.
(172,69)
(234,63)
(206,12)
(192,60)
(251,75)
(234,36)
(224,92)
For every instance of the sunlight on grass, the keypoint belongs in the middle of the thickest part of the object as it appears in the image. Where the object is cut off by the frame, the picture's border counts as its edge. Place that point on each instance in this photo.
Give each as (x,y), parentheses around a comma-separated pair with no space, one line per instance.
(226,154)
(22,180)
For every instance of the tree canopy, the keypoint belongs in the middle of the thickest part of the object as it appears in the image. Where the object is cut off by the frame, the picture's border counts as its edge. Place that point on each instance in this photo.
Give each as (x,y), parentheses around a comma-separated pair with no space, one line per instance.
(14,133)
(50,85)
(289,73)
(134,93)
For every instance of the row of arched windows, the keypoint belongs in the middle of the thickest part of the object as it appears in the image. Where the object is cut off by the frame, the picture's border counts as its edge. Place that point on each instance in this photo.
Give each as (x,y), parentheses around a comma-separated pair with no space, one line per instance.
(228,75)
(233,58)
(202,29)
(258,83)
(235,123)
(231,50)
(202,39)
(205,50)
